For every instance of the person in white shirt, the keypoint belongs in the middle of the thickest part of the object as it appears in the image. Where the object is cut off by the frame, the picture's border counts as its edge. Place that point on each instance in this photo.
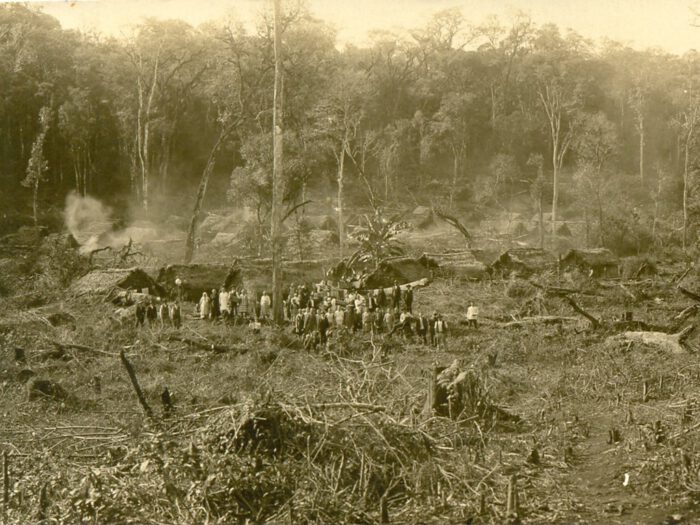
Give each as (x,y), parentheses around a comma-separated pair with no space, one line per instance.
(265,304)
(472,315)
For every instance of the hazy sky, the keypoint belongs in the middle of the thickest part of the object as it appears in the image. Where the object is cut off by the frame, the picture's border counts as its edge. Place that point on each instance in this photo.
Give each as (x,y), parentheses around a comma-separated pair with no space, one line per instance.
(640,23)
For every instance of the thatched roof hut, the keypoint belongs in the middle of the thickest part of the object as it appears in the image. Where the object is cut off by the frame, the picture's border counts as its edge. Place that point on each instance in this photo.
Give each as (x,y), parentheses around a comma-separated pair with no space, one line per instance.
(465,264)
(524,261)
(402,270)
(105,281)
(598,262)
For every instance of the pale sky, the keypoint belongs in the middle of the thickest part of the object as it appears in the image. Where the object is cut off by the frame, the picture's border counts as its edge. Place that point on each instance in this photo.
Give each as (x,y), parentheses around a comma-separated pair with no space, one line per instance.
(665,24)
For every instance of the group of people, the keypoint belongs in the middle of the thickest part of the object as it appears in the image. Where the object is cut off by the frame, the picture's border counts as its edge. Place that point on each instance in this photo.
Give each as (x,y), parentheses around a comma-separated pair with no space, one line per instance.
(317,312)
(232,304)
(158,313)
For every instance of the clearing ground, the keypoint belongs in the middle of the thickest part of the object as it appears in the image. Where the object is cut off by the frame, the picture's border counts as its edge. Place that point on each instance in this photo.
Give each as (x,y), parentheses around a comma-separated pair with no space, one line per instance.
(262,430)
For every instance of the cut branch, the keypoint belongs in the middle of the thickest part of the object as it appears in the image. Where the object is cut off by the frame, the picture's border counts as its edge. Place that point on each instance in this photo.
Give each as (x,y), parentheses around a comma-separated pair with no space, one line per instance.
(595,323)
(135,383)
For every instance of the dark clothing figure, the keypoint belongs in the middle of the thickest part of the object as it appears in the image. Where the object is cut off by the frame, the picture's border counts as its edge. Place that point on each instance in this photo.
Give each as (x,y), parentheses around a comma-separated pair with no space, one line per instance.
(151,314)
(408,300)
(175,317)
(140,314)
(323,326)
(299,324)
(381,298)
(349,320)
(215,307)
(396,296)
(310,323)
(371,302)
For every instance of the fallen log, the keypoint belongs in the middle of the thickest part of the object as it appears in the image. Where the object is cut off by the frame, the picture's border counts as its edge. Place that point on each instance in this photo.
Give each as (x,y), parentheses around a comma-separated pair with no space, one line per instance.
(672,343)
(541,319)
(695,297)
(595,323)
(687,312)
(206,345)
(135,383)
(559,291)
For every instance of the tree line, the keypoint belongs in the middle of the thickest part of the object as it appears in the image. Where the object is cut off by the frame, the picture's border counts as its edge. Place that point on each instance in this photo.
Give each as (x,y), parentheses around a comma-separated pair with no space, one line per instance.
(476,117)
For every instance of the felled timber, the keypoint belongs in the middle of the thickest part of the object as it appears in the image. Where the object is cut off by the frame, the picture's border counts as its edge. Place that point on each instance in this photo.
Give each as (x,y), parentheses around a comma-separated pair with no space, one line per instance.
(671,343)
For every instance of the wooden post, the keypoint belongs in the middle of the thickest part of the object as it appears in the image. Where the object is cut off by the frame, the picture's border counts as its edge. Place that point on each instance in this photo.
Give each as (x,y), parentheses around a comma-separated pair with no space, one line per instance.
(20,356)
(383,510)
(97,385)
(135,383)
(645,391)
(512,498)
(482,503)
(5,486)
(42,514)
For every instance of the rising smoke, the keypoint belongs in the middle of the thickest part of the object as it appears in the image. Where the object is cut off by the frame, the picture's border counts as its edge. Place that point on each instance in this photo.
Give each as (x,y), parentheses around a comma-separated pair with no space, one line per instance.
(92,225)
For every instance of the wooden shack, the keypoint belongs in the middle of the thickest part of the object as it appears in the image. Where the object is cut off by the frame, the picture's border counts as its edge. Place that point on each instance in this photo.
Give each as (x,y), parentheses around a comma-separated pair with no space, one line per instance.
(523,262)
(595,262)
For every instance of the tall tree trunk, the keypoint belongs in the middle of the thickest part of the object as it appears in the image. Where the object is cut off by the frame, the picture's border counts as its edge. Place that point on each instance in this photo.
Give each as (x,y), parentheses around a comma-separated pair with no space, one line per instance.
(341,168)
(35,200)
(455,171)
(685,190)
(641,148)
(540,212)
(555,189)
(201,192)
(277,122)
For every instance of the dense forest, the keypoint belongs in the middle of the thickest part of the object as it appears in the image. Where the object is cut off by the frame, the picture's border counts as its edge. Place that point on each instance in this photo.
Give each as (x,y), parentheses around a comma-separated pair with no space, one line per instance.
(481,118)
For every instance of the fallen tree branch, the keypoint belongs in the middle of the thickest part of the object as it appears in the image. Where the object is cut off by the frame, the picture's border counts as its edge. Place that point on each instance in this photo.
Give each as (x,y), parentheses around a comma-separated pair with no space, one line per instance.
(135,383)
(455,223)
(595,323)
(695,297)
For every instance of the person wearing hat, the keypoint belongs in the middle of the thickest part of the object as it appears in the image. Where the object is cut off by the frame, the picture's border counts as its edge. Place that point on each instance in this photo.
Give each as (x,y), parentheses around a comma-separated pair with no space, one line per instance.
(440,333)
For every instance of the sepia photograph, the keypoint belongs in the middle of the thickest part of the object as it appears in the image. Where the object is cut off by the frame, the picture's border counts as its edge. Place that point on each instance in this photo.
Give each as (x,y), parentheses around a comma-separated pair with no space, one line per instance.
(350,262)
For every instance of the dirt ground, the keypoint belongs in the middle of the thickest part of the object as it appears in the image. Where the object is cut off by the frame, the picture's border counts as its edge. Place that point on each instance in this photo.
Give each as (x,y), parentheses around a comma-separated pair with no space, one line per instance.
(569,388)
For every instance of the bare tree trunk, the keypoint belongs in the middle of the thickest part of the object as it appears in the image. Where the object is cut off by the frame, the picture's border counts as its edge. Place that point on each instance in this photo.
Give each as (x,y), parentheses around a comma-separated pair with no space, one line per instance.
(641,148)
(341,167)
(201,192)
(685,189)
(35,201)
(455,170)
(540,212)
(277,119)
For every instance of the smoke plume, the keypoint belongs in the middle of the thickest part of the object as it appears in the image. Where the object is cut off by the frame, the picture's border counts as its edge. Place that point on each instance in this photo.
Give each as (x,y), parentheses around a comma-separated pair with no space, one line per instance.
(91,223)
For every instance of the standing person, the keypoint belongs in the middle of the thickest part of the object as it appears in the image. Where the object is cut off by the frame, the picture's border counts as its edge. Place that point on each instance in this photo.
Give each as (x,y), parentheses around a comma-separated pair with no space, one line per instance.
(389,320)
(175,317)
(422,328)
(234,299)
(431,328)
(396,296)
(204,306)
(366,321)
(349,320)
(472,316)
(408,299)
(339,316)
(151,313)
(243,303)
(371,301)
(299,323)
(323,325)
(215,311)
(381,298)
(163,314)
(225,303)
(178,290)
(265,305)
(440,333)
(140,314)
(310,321)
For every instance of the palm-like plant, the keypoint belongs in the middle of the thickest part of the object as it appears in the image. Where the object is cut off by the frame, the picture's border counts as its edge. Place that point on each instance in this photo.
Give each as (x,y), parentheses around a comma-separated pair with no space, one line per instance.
(377,238)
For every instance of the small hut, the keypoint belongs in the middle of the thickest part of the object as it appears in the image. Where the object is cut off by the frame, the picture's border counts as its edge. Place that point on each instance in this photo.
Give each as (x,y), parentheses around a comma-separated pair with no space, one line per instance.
(105,281)
(463,264)
(523,262)
(596,262)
